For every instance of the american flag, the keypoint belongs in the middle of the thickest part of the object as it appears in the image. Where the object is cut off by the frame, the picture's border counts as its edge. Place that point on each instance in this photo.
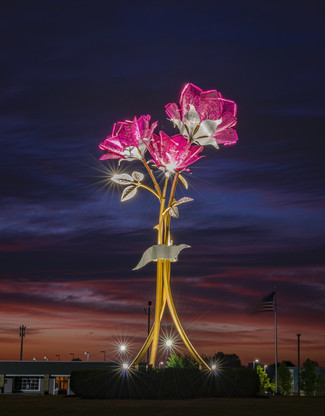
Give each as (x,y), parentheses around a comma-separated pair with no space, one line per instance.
(267,303)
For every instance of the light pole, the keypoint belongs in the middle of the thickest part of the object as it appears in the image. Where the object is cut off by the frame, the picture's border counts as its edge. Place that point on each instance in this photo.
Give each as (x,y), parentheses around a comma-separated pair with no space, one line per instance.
(22,330)
(298,335)
(59,357)
(254,363)
(148,313)
(104,352)
(72,353)
(87,354)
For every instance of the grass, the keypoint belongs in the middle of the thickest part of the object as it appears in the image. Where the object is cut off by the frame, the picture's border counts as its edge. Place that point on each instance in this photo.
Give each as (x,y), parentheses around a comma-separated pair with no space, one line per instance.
(74,406)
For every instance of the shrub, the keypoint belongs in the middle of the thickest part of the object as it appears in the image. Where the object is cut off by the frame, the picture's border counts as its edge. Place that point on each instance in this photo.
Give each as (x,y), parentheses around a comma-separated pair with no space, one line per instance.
(168,383)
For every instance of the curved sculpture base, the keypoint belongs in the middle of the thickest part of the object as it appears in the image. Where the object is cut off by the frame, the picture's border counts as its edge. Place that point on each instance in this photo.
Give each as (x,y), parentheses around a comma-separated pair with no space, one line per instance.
(163,297)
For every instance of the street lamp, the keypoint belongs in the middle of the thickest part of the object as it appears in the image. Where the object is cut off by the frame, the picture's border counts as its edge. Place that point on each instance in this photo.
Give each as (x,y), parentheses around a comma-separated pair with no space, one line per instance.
(122,348)
(254,363)
(298,335)
(104,352)
(45,358)
(22,332)
(87,354)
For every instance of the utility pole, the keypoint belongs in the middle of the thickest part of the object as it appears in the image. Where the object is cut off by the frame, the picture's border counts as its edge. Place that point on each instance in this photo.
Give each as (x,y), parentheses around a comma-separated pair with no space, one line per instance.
(22,330)
(148,313)
(276,337)
(298,335)
(104,352)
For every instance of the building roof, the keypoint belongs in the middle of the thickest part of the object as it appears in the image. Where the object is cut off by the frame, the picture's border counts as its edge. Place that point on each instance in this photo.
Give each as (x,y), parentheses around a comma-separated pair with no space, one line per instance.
(51,367)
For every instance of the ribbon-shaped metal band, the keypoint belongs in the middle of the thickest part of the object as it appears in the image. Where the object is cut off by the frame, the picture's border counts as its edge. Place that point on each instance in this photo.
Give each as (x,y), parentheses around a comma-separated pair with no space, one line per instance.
(160,251)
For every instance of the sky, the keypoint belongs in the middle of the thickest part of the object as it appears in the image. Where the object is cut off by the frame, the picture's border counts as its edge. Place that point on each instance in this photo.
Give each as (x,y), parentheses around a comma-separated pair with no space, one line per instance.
(69,71)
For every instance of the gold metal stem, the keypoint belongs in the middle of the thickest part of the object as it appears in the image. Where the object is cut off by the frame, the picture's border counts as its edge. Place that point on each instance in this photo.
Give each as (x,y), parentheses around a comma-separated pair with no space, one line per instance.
(159,287)
(152,178)
(163,290)
(141,185)
(167,216)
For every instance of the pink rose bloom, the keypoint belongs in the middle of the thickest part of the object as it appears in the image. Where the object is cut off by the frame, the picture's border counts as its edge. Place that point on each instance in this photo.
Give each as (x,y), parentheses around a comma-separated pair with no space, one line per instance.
(126,140)
(204,117)
(172,154)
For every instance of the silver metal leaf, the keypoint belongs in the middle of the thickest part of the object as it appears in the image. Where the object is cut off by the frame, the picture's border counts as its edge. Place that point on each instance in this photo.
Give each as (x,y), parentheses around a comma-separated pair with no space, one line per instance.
(183,200)
(137,176)
(129,192)
(122,179)
(184,181)
(174,212)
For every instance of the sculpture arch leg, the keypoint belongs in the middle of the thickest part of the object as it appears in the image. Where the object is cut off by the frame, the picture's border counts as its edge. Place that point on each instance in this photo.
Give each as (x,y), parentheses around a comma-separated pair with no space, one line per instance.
(177,323)
(159,298)
(163,296)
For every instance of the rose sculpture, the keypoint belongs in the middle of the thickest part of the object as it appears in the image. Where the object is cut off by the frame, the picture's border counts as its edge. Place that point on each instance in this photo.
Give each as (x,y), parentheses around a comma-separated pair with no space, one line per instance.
(203,118)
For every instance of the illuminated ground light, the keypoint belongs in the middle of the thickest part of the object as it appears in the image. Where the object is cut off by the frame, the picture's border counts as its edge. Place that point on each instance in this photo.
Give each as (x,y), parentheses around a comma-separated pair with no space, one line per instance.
(214,368)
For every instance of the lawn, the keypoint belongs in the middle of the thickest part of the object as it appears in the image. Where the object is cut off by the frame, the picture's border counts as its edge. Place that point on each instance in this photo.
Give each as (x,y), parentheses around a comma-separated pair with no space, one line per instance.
(74,406)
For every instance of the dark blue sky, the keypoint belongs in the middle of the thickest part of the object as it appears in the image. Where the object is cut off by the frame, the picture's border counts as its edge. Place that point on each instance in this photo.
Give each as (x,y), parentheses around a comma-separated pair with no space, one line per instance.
(69,70)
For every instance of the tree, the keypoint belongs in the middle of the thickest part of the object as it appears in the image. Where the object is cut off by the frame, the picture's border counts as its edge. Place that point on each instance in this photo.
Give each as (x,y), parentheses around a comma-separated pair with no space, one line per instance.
(224,360)
(176,360)
(285,379)
(288,363)
(320,385)
(265,383)
(308,377)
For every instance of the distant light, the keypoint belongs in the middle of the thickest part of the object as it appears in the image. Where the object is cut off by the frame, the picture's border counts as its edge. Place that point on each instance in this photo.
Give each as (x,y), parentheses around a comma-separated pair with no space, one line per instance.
(125,366)
(257,360)
(122,348)
(213,367)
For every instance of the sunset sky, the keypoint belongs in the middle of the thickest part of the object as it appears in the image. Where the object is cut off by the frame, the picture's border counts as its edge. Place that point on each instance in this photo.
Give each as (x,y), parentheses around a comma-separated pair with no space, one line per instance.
(69,71)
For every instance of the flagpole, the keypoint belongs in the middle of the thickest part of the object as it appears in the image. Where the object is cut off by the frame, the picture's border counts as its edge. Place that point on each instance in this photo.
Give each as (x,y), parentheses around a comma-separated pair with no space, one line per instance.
(276,339)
